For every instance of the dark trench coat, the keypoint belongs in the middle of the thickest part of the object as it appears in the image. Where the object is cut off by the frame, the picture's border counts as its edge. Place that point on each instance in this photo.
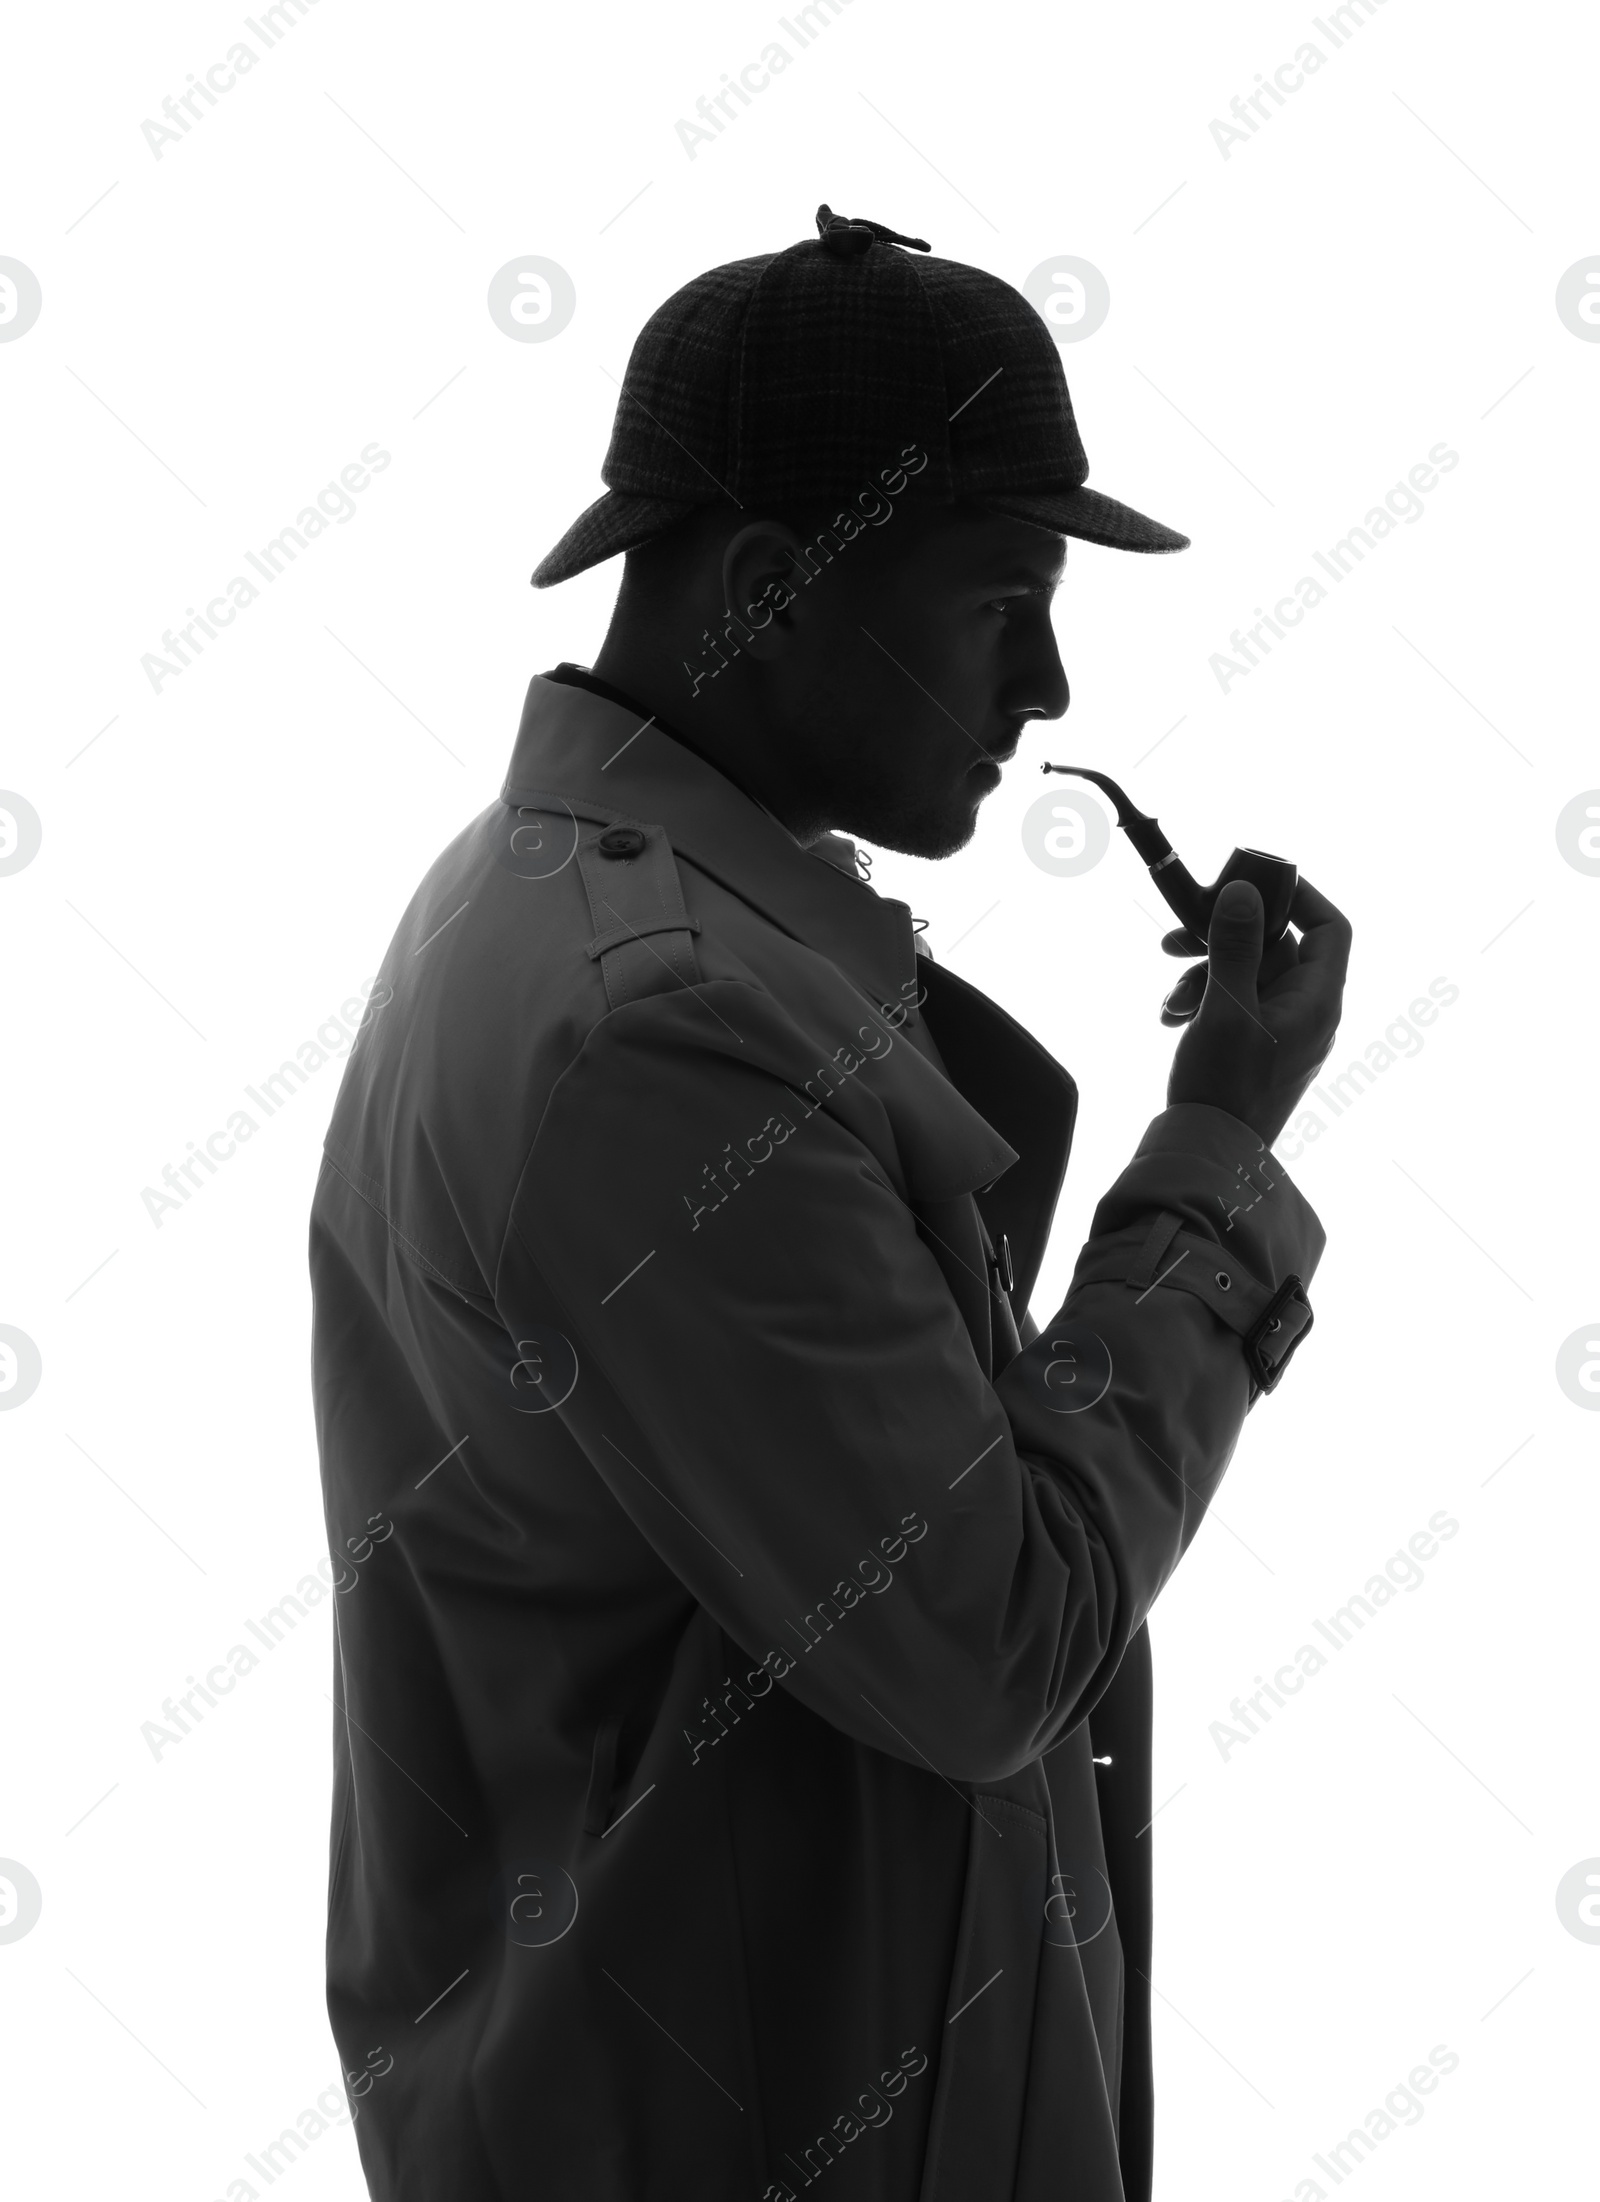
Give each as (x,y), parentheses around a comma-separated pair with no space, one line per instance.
(735,1612)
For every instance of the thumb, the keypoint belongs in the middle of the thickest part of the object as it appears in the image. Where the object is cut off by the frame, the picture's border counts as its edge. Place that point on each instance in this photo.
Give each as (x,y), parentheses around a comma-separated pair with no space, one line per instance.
(1235,938)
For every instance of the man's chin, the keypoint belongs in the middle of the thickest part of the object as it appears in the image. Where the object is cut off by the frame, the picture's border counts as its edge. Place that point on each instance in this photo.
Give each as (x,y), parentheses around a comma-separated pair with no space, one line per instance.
(929,834)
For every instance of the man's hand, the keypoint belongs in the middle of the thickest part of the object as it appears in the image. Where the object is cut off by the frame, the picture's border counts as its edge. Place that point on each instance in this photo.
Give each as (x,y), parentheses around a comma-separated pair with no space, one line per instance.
(1263,1026)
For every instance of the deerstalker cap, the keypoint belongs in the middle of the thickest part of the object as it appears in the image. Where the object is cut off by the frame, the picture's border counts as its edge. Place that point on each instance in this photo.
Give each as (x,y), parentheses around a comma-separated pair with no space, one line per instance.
(789,377)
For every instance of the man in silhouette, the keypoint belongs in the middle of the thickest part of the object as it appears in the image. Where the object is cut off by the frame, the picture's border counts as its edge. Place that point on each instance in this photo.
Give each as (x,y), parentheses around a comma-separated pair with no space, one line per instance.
(742,1770)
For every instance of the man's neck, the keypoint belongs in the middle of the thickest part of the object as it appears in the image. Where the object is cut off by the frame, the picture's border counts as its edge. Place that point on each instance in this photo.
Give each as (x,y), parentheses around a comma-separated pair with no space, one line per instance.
(714,728)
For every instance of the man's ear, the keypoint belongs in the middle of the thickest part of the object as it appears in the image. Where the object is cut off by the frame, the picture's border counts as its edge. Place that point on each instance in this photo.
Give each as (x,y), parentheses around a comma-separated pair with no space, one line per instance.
(762,569)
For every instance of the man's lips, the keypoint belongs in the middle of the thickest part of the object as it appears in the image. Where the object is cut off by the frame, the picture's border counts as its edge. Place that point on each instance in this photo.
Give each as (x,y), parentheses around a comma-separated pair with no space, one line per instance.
(1002,752)
(997,757)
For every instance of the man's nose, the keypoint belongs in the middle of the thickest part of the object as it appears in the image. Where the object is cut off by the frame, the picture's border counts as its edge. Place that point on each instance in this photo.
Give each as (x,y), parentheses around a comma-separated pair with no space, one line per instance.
(1042,691)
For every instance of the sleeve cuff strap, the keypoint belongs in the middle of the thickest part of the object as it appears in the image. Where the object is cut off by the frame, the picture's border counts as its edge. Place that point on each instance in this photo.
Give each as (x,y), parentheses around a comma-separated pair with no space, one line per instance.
(1269,1323)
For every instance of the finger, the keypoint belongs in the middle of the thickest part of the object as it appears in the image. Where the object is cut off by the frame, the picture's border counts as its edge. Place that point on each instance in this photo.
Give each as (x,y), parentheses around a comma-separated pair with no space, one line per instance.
(1237,923)
(1188,992)
(1183,943)
(1325,931)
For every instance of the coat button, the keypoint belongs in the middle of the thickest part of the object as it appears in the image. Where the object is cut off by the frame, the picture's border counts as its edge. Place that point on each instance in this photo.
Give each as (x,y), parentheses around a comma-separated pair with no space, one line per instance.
(620,841)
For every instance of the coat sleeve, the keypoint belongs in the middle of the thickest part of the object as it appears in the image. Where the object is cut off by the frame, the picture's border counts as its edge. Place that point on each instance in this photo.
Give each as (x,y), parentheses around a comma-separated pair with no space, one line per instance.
(775,1382)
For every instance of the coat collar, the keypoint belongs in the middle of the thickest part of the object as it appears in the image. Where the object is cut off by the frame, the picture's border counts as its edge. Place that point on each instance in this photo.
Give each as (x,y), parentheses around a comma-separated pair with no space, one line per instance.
(606,763)
(600,759)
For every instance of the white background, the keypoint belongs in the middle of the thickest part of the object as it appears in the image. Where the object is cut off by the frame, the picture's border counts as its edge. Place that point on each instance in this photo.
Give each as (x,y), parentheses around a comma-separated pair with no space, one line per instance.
(1371,273)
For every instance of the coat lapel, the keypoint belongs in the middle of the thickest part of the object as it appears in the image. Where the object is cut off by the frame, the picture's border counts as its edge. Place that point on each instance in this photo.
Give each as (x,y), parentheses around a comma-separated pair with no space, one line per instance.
(1016,1086)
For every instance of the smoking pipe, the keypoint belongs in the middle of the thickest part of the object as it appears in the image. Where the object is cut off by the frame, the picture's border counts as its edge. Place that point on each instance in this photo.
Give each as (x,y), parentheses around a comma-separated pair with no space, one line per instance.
(1274,877)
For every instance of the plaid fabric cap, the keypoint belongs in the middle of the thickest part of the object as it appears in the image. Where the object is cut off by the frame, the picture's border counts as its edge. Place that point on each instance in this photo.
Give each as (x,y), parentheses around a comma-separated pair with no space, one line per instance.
(793,376)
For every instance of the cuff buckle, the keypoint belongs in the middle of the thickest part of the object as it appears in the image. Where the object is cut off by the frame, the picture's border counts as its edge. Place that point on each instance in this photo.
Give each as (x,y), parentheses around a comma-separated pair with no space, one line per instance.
(1267,1373)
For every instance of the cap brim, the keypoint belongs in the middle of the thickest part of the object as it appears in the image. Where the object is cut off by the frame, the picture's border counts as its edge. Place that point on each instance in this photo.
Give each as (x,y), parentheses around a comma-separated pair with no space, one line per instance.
(615,522)
(620,522)
(1084,513)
